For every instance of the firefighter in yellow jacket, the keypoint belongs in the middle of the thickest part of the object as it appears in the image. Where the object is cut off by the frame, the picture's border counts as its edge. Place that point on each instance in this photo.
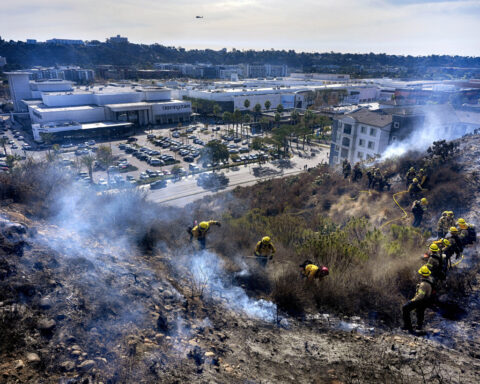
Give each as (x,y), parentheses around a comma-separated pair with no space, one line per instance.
(312,271)
(264,250)
(199,232)
(420,301)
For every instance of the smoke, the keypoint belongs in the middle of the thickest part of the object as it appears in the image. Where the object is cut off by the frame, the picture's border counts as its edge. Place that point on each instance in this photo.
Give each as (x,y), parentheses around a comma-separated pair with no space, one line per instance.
(436,126)
(209,275)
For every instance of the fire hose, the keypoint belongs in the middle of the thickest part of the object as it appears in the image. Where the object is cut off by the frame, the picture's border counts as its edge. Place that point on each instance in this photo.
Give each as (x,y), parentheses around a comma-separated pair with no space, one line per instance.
(405,214)
(458,262)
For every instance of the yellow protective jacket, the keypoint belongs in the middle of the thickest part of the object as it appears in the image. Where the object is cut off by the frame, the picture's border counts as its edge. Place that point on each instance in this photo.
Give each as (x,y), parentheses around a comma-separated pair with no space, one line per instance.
(198,233)
(311,271)
(424,290)
(264,250)
(444,224)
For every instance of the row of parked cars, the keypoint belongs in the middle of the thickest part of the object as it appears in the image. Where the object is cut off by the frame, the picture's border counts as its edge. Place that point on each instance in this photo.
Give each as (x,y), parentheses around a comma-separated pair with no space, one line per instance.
(188,151)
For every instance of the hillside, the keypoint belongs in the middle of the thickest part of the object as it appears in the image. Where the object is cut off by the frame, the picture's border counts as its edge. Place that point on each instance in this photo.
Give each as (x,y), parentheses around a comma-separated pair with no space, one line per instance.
(107,288)
(22,55)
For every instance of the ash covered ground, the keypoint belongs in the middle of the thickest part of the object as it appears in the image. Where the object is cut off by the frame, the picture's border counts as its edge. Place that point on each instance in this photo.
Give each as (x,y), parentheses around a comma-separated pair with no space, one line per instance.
(108,290)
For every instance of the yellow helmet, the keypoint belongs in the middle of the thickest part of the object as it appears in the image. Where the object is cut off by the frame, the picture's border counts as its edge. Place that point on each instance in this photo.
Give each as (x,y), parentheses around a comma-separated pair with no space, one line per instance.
(434,247)
(266,240)
(444,213)
(424,201)
(462,221)
(453,229)
(421,170)
(424,271)
(415,180)
(450,213)
(446,242)
(412,169)
(204,225)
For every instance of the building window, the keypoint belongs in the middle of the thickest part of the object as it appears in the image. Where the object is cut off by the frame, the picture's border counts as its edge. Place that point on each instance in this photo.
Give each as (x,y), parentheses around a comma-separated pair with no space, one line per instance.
(360,155)
(396,124)
(346,142)
(363,129)
(337,148)
(344,153)
(373,132)
(394,138)
(347,129)
(371,145)
(361,143)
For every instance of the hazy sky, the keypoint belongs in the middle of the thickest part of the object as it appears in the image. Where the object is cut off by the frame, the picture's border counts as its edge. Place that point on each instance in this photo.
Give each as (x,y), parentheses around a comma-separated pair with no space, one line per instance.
(392,26)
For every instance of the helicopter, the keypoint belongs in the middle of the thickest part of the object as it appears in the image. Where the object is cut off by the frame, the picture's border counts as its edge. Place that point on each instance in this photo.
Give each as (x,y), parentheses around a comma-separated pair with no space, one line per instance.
(199,17)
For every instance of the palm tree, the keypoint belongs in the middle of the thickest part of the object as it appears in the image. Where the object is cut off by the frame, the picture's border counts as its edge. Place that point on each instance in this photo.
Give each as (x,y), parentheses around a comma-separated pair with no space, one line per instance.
(277,118)
(246,120)
(246,103)
(268,104)
(280,108)
(237,118)
(227,117)
(257,109)
(294,117)
(216,111)
(3,143)
(88,161)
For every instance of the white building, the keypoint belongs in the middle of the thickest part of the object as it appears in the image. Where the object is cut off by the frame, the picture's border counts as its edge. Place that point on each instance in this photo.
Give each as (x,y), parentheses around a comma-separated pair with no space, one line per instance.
(57,104)
(359,136)
(117,39)
(65,41)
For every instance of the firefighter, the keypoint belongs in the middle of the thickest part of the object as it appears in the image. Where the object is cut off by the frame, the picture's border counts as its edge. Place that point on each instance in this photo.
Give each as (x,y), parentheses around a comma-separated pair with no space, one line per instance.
(467,233)
(411,174)
(435,262)
(199,232)
(446,251)
(420,301)
(443,225)
(357,172)
(377,178)
(347,168)
(422,177)
(418,209)
(456,243)
(264,250)
(414,189)
(370,178)
(312,271)
(450,219)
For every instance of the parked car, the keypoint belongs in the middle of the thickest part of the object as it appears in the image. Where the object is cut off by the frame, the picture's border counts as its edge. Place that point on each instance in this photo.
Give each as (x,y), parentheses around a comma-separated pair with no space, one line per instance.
(158,184)
(188,159)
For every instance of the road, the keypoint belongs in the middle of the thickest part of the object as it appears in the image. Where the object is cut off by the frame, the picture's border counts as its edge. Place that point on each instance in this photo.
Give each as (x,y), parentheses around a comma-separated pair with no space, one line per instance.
(186,190)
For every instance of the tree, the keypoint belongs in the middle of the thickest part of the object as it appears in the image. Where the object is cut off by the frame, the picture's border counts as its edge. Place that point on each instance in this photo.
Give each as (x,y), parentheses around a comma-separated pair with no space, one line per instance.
(88,161)
(176,170)
(246,104)
(264,123)
(216,110)
(257,143)
(246,120)
(214,151)
(105,158)
(10,161)
(227,118)
(280,108)
(237,118)
(295,116)
(257,109)
(268,104)
(3,143)
(277,118)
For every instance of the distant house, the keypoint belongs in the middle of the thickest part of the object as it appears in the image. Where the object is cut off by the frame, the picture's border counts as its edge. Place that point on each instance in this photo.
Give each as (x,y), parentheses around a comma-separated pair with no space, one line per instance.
(117,39)
(65,42)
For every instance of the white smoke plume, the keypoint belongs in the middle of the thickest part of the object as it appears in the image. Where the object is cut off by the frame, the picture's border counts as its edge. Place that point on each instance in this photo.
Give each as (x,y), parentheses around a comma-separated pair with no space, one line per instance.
(208,272)
(436,126)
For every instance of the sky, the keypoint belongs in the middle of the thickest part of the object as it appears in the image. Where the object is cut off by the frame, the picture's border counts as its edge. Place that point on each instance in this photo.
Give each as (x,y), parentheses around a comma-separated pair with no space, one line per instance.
(406,27)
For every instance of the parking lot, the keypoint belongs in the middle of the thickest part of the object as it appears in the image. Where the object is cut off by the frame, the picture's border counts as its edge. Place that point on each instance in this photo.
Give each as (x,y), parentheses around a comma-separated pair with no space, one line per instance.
(148,158)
